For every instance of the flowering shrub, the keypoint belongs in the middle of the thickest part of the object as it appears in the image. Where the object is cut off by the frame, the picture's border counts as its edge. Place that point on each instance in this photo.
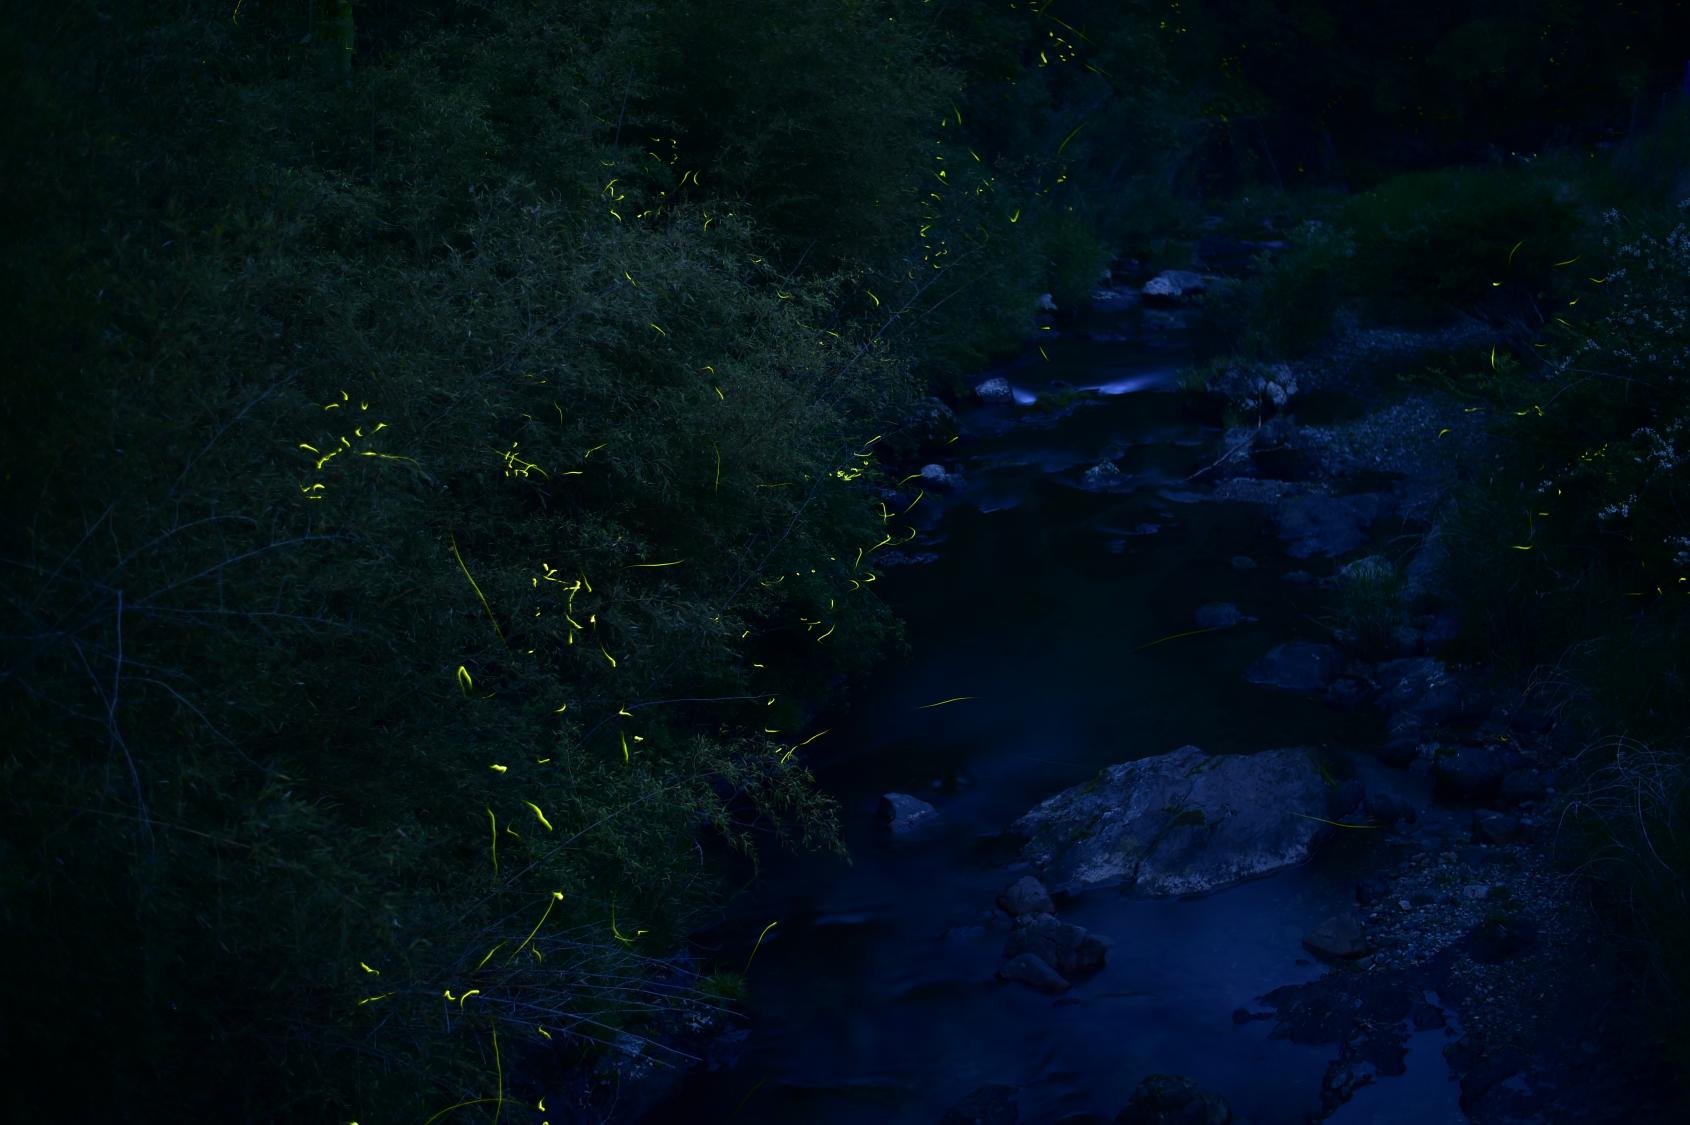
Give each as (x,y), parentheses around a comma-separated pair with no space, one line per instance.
(1620,440)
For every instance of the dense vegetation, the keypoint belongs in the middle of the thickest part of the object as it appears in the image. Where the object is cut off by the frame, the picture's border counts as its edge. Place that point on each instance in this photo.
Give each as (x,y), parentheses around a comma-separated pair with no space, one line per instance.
(443,435)
(441,489)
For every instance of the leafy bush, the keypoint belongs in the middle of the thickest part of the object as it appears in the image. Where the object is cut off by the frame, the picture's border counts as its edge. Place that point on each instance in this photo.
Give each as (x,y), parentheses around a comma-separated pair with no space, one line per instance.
(1297,293)
(1369,604)
(1430,242)
(1286,306)
(440,483)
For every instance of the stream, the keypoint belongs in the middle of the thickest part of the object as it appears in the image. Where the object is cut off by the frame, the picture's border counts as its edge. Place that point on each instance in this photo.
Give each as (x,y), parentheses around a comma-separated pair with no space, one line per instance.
(874,998)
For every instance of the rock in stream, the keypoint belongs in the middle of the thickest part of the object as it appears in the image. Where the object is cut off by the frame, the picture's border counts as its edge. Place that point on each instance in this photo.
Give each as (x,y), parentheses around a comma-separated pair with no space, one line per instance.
(1181,823)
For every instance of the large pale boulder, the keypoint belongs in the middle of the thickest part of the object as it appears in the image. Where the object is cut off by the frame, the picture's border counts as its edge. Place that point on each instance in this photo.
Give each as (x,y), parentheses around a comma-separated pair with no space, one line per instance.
(1175,285)
(1181,823)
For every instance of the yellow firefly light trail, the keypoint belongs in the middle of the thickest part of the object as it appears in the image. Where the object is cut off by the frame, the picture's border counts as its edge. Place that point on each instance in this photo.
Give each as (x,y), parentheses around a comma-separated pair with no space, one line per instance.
(942,702)
(473,586)
(759,944)
(1069,137)
(557,897)
(1175,637)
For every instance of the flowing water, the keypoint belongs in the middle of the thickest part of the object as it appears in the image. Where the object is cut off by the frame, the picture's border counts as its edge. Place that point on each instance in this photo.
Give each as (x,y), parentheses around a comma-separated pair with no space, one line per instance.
(874,1000)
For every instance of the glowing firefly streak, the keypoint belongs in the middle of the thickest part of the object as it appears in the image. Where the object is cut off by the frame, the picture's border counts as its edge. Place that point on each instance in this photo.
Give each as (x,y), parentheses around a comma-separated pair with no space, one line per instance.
(1070,137)
(557,897)
(593,620)
(942,702)
(457,555)
(618,933)
(1174,636)
(759,944)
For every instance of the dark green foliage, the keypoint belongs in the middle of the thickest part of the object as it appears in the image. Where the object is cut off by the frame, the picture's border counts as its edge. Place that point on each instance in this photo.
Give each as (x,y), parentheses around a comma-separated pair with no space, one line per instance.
(1578,527)
(1429,243)
(1287,307)
(354,394)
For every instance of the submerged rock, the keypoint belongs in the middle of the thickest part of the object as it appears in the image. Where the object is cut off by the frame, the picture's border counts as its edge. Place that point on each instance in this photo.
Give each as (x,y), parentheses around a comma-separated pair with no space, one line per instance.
(1026,896)
(1065,947)
(1297,666)
(1340,937)
(904,813)
(1180,823)
(1220,615)
(1031,969)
